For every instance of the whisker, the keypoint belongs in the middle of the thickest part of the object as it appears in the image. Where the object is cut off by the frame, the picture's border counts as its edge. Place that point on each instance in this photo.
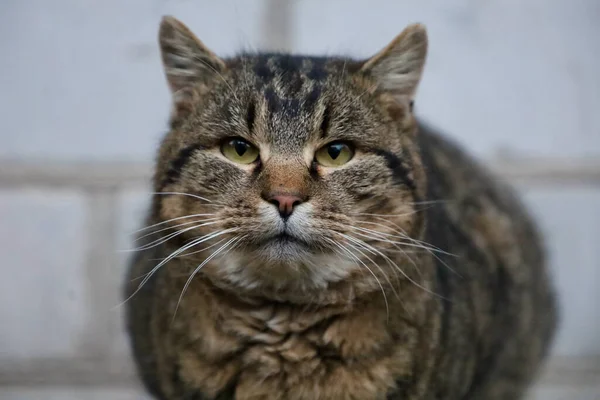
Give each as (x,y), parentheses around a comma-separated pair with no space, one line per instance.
(170,236)
(241,238)
(413,242)
(405,253)
(392,263)
(344,249)
(401,232)
(170,220)
(213,245)
(388,215)
(222,78)
(201,250)
(173,255)
(412,203)
(198,268)
(179,256)
(374,263)
(370,88)
(424,243)
(438,201)
(184,248)
(182,194)
(396,243)
(175,226)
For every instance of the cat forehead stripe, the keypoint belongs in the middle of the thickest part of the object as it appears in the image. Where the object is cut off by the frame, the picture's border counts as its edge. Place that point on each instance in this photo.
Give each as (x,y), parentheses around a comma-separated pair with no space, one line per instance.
(289,67)
(290,83)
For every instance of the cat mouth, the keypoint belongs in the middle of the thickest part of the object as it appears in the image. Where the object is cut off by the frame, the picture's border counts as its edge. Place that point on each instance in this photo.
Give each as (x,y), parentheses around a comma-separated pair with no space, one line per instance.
(284,238)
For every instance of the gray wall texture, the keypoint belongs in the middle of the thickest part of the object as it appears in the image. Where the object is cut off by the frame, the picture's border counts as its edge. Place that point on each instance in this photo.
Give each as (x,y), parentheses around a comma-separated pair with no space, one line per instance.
(84,103)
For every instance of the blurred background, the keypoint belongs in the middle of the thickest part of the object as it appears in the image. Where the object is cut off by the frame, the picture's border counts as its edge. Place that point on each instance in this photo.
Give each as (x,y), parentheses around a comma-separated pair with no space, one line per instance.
(84,103)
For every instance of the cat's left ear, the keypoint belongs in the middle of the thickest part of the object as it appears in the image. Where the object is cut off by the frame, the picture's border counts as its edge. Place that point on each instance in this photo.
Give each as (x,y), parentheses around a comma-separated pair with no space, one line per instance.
(399,66)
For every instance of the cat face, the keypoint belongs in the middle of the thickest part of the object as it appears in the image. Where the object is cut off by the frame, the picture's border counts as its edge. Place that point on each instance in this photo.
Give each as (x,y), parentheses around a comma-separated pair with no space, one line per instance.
(294,171)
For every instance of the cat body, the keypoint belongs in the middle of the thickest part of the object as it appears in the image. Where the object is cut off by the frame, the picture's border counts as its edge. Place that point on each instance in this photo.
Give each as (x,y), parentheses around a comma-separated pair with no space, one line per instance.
(318,242)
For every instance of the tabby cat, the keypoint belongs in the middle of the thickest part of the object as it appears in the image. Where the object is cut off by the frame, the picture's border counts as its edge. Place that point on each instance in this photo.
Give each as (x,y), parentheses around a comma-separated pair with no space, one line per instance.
(310,239)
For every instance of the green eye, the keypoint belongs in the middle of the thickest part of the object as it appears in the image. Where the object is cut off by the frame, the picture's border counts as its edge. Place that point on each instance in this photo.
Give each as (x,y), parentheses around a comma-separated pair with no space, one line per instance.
(239,151)
(334,154)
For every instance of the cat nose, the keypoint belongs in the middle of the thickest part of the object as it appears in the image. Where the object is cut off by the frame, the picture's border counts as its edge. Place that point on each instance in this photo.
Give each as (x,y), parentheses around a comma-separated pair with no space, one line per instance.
(285,203)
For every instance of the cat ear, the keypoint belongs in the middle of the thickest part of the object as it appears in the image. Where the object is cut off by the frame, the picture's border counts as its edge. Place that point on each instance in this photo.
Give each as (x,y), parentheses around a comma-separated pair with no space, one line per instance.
(399,66)
(187,61)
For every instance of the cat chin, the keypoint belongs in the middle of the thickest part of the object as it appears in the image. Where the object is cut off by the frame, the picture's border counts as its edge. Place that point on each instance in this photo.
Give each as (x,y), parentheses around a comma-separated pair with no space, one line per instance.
(303,271)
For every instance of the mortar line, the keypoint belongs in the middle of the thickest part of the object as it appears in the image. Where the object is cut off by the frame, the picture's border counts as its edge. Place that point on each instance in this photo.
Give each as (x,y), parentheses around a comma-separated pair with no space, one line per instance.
(95,176)
(561,371)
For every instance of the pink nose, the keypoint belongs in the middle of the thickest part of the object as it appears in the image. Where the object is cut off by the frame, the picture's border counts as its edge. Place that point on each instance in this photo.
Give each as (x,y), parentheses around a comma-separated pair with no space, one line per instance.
(285,203)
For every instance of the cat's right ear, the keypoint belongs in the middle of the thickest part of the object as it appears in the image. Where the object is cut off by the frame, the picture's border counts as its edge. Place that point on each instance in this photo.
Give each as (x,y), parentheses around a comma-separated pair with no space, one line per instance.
(187,61)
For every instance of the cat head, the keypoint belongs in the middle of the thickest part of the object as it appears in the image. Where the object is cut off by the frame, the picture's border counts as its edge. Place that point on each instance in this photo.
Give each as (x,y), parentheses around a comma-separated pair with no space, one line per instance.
(293,172)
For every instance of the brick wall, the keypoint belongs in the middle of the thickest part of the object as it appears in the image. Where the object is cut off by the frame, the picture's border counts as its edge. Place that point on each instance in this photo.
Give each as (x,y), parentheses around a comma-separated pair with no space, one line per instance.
(85,103)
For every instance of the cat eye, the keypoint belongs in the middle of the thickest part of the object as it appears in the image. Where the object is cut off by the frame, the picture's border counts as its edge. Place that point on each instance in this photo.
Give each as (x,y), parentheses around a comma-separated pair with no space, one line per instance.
(239,151)
(334,154)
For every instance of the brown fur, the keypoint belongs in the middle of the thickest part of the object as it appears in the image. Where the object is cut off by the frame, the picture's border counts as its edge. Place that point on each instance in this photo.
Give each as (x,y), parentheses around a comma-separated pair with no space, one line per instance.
(411,273)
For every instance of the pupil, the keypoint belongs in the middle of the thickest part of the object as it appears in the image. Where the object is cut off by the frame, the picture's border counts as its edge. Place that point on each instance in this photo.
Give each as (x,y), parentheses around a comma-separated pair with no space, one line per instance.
(334,151)
(240,147)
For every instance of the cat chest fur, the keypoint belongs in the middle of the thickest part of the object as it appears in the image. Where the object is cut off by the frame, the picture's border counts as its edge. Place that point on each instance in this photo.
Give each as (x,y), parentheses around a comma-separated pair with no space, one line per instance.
(294,352)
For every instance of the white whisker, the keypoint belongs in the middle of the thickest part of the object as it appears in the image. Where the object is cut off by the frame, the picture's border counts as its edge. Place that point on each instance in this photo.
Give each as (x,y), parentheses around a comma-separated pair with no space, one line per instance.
(404,252)
(428,247)
(170,236)
(427,202)
(358,243)
(222,78)
(201,250)
(388,215)
(356,259)
(175,226)
(175,254)
(402,234)
(391,263)
(170,220)
(198,268)
(182,194)
(412,242)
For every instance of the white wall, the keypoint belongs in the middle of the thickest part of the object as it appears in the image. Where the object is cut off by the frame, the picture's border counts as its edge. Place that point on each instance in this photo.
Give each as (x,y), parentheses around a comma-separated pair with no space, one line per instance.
(84,104)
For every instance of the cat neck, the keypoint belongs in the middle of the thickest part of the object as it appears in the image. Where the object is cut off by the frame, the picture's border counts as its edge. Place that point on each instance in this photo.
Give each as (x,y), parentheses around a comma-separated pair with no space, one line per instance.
(342,294)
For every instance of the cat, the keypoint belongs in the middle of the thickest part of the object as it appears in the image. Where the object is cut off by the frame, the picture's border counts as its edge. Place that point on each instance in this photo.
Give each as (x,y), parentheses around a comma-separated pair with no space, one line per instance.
(310,239)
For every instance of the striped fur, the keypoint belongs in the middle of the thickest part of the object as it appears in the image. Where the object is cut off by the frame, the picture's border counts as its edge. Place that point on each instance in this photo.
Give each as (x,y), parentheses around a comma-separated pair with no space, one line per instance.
(408,273)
